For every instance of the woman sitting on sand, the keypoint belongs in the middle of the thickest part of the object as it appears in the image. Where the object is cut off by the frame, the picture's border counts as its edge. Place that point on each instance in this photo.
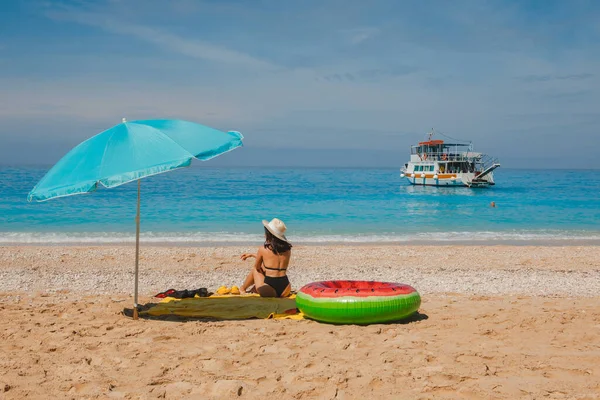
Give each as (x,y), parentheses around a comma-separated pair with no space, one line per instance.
(268,274)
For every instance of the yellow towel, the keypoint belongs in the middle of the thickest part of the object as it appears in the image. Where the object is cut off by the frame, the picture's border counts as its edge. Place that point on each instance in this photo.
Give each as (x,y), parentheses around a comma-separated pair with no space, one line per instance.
(228,307)
(297,316)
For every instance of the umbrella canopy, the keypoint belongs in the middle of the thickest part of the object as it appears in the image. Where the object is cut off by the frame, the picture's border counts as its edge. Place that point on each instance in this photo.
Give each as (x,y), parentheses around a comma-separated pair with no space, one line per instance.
(130,151)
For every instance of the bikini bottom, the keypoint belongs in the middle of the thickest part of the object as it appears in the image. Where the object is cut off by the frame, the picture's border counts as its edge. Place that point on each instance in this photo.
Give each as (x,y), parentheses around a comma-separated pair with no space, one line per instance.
(278,283)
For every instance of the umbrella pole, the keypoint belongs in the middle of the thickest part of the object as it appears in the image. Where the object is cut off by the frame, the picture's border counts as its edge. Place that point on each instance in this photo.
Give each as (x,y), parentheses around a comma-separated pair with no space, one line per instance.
(137,253)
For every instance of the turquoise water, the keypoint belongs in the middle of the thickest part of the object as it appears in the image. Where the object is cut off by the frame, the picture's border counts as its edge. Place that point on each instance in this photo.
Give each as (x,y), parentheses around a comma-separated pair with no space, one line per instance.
(208,205)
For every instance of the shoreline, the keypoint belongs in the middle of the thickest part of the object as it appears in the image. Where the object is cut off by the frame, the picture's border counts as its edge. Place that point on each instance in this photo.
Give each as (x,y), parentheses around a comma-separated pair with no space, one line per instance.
(566,242)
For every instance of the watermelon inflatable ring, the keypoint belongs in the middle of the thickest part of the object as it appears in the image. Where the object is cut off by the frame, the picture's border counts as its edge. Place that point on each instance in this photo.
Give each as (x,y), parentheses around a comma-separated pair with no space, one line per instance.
(357,302)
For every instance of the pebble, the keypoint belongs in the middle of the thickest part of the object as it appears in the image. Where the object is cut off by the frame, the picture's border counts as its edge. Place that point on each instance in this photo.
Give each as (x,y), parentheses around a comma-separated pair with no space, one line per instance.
(474,270)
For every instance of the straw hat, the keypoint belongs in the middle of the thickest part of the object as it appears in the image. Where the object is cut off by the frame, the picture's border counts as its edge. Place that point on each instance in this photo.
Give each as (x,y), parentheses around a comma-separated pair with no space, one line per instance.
(276,227)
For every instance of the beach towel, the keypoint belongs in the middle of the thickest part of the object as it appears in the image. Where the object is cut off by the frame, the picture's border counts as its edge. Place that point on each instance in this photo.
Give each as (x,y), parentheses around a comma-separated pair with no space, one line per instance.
(229,307)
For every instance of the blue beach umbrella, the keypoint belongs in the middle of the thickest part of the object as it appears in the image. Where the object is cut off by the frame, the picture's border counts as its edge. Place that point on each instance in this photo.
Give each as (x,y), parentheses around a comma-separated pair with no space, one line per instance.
(128,152)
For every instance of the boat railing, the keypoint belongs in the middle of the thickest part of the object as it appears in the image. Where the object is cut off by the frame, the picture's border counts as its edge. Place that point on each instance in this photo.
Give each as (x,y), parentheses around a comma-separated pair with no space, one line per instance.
(488,161)
(443,156)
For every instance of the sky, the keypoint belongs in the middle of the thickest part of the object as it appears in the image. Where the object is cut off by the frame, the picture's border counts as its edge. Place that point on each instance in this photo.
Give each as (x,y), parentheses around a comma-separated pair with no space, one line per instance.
(309,83)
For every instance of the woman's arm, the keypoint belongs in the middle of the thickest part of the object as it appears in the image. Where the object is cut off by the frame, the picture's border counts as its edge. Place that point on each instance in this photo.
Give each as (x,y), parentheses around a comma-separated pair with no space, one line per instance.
(258,263)
(258,259)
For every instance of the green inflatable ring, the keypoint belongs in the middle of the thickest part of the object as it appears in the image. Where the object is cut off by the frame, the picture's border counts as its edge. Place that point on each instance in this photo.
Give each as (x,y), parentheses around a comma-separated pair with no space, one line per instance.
(357,302)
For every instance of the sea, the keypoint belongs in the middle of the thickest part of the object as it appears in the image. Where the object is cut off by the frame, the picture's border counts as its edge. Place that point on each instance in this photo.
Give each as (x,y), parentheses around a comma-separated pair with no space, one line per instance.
(208,206)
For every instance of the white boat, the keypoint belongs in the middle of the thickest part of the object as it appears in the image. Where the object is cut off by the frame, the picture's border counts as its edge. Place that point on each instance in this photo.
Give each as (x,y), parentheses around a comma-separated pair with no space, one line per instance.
(437,163)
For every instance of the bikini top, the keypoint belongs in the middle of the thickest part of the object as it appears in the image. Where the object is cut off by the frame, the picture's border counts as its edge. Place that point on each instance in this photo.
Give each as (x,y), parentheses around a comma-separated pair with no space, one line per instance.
(273,269)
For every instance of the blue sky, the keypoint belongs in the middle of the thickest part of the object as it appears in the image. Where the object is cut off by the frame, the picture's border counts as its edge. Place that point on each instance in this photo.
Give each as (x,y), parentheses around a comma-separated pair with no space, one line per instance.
(346,83)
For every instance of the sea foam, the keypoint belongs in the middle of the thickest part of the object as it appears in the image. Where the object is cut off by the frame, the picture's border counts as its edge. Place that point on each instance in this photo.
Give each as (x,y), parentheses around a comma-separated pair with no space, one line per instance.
(212,238)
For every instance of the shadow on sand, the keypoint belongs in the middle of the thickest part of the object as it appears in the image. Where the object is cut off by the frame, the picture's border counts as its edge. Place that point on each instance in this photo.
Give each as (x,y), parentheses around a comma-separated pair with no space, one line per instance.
(416,317)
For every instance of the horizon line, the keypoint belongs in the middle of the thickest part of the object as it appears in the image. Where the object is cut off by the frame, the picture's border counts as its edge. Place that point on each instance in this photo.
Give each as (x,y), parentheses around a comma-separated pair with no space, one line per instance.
(203,165)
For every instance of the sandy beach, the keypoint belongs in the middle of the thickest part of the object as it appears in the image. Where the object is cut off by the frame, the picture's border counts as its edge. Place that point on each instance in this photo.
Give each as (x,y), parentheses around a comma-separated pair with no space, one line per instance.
(501,322)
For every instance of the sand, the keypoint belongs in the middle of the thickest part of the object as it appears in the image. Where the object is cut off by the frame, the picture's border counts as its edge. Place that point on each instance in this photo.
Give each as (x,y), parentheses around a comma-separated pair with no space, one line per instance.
(496,322)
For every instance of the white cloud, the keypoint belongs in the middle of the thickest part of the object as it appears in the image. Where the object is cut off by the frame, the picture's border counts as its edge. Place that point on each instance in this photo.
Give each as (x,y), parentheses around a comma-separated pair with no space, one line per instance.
(188,47)
(359,35)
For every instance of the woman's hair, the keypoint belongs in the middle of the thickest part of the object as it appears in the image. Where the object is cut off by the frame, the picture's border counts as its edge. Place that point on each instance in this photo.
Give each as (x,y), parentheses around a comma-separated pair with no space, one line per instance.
(275,244)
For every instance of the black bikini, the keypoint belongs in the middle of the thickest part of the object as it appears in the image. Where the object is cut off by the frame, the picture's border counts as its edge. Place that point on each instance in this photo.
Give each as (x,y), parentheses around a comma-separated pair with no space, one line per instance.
(279,283)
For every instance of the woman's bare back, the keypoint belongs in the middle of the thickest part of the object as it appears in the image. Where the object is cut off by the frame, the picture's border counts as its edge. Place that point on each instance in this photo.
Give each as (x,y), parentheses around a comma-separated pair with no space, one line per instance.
(275,265)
